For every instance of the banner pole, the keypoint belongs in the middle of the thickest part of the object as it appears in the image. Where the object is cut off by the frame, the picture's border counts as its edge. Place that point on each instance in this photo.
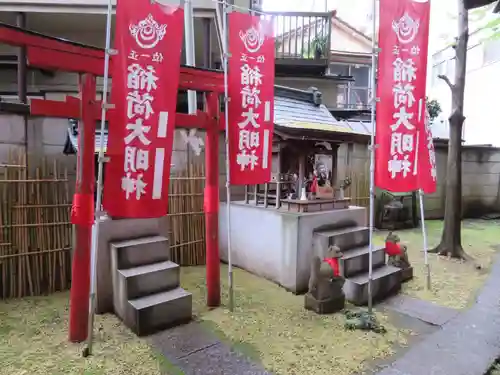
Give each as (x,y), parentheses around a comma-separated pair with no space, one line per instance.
(95,233)
(190,51)
(225,36)
(372,155)
(424,235)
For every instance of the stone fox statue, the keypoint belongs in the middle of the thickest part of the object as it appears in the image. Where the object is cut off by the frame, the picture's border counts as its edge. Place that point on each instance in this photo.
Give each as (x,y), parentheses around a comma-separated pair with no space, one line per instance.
(326,279)
(397,252)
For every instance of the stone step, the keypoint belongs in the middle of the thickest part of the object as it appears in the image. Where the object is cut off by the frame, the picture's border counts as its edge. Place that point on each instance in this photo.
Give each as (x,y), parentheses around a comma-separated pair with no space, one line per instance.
(150,279)
(156,312)
(344,238)
(142,281)
(140,252)
(357,260)
(386,281)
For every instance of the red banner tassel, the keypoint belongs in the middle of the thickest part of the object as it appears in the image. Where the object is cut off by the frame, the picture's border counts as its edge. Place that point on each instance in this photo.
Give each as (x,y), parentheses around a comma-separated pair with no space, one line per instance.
(82,209)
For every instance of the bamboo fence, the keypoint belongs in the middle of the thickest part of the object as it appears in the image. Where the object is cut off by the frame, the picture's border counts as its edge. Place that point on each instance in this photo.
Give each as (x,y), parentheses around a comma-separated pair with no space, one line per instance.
(359,191)
(35,230)
(36,233)
(186,219)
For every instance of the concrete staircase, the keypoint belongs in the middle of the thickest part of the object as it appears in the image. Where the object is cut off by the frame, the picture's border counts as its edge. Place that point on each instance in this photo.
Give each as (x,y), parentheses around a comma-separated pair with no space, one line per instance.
(353,241)
(146,291)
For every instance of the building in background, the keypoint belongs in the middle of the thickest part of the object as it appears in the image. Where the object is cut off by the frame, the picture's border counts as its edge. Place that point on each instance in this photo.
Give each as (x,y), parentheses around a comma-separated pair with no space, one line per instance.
(341,55)
(481,126)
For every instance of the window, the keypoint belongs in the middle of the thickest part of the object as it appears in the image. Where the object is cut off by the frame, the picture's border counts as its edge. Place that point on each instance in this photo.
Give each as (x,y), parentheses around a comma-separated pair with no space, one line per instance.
(361,75)
(339,69)
(355,94)
(358,98)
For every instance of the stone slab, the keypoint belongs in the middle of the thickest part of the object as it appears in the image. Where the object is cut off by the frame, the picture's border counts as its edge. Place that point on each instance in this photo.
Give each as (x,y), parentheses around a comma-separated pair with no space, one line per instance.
(195,351)
(466,345)
(218,360)
(182,341)
(426,311)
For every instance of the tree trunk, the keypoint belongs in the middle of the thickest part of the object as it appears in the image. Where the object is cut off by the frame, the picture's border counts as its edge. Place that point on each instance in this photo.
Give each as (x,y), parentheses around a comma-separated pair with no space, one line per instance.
(451,244)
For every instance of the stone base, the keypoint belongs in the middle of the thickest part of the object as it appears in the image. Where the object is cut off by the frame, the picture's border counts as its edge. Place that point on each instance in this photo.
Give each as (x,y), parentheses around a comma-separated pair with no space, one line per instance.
(326,306)
(406,274)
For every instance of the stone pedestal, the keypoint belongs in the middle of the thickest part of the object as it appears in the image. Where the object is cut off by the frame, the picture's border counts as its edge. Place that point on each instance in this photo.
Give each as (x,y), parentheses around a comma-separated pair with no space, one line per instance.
(324,306)
(406,274)
(326,297)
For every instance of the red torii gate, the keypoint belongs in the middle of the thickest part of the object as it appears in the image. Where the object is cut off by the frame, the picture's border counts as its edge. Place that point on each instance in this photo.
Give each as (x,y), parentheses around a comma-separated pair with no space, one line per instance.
(58,54)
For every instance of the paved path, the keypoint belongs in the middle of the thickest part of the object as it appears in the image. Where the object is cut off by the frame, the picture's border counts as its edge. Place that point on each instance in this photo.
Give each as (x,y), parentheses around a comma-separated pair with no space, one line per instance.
(195,351)
(425,311)
(466,345)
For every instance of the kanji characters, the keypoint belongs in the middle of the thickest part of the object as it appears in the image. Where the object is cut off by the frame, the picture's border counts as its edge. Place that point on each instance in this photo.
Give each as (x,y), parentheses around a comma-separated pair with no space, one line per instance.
(139,105)
(132,185)
(247,160)
(397,165)
(250,96)
(157,57)
(403,95)
(250,76)
(136,159)
(138,130)
(249,139)
(404,70)
(249,117)
(139,78)
(402,118)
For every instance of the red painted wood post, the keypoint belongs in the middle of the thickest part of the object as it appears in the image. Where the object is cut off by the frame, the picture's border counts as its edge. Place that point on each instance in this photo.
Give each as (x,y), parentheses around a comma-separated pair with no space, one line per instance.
(211,199)
(82,213)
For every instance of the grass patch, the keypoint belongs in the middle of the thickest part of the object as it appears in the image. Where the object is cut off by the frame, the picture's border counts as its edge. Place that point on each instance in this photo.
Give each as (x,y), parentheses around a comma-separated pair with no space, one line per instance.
(33,340)
(454,283)
(271,326)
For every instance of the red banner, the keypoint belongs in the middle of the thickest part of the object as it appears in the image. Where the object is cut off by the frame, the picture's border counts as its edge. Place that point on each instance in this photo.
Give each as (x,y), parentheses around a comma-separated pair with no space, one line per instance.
(251,93)
(427,159)
(145,82)
(401,111)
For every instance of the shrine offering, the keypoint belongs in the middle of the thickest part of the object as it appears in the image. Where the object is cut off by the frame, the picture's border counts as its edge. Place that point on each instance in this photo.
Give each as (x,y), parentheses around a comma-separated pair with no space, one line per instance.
(145,81)
(402,153)
(251,93)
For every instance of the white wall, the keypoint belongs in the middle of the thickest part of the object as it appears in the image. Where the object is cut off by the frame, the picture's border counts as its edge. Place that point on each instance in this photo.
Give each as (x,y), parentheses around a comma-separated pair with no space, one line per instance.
(344,39)
(481,87)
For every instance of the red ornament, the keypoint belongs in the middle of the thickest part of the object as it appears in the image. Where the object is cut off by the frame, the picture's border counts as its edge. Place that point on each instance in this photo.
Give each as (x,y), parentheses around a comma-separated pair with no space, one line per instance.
(334,263)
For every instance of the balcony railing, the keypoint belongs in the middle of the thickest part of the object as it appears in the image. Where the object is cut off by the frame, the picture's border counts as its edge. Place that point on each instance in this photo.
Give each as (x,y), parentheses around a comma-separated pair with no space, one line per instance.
(304,36)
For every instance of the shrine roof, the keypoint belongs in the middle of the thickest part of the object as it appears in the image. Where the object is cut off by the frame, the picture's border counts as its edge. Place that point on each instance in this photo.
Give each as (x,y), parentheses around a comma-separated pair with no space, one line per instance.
(302,112)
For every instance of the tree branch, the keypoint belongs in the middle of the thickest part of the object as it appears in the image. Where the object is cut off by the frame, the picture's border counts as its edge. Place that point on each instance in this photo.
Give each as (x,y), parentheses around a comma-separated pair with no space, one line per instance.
(447,80)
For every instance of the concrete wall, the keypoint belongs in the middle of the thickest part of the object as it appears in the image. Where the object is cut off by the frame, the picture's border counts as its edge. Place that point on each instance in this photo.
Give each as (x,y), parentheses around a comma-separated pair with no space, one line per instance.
(480,178)
(278,245)
(39,137)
